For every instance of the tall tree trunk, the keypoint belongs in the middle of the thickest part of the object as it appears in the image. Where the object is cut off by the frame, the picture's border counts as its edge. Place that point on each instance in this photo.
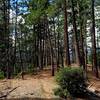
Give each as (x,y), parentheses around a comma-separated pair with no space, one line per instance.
(82,22)
(52,55)
(14,61)
(82,46)
(51,46)
(66,39)
(95,68)
(55,40)
(73,49)
(62,55)
(21,59)
(8,48)
(6,6)
(58,46)
(77,52)
(85,43)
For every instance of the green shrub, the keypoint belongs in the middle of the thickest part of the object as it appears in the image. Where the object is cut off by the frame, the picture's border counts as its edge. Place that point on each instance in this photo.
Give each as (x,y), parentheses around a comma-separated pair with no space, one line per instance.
(71,81)
(61,92)
(1,75)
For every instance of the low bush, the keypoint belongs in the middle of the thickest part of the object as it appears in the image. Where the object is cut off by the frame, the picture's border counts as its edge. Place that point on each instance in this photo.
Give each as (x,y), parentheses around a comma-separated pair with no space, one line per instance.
(71,81)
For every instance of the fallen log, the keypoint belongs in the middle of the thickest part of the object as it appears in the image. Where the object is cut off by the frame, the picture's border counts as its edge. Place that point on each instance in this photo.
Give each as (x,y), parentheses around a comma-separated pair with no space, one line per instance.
(89,95)
(92,95)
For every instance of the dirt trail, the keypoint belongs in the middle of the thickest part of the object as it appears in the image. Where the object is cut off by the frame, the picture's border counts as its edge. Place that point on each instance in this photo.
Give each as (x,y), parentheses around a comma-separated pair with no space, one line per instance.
(40,86)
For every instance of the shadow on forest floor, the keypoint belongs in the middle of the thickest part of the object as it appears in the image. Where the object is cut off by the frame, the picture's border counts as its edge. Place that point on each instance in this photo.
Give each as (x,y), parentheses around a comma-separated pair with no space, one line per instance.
(32,99)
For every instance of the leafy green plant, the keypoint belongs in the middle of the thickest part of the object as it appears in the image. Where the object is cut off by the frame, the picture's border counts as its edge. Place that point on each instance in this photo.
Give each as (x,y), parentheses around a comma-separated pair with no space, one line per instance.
(61,92)
(71,81)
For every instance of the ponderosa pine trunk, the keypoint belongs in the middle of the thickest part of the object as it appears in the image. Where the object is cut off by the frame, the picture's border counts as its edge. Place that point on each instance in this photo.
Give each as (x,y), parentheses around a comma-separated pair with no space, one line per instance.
(51,48)
(66,39)
(85,43)
(58,46)
(82,47)
(95,68)
(77,52)
(82,54)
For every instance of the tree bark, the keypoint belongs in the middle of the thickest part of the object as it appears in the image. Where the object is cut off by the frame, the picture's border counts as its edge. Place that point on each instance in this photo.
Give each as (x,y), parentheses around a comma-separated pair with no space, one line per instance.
(77,51)
(66,39)
(95,68)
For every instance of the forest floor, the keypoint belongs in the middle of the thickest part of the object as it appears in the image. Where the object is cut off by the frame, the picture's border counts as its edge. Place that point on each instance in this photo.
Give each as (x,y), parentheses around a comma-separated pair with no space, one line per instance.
(37,86)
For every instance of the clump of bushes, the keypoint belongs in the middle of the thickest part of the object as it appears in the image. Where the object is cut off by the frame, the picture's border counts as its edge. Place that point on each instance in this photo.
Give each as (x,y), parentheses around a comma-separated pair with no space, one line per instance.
(71,82)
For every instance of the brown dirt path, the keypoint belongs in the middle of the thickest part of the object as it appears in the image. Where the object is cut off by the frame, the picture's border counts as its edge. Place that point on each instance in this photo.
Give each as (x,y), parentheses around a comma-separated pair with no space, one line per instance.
(40,86)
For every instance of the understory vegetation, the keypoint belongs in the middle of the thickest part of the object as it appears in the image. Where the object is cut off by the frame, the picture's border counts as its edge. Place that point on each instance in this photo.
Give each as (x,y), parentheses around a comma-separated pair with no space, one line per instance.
(71,82)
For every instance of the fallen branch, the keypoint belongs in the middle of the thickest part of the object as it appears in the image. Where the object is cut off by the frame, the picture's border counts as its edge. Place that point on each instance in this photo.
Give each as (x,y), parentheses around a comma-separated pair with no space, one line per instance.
(91,85)
(92,95)
(4,96)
